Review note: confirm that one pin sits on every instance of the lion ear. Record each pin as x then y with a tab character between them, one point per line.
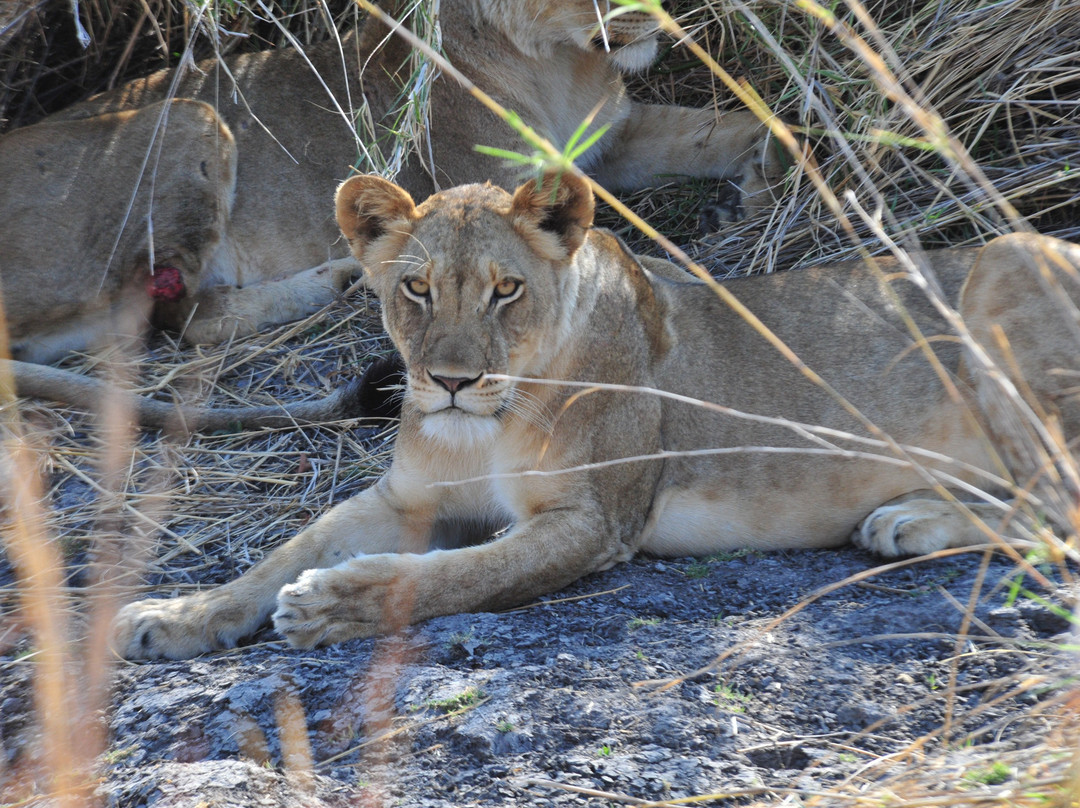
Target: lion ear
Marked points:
370	208
553	213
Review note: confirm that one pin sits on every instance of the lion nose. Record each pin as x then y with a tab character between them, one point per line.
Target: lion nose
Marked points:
454	383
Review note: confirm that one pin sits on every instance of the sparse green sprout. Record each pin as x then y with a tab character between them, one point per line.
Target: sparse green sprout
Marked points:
1016	590
504	726
604	751
730	699
467	698
951	574
116	755
696	569
727	556
641	622
540	161
993	775
459	638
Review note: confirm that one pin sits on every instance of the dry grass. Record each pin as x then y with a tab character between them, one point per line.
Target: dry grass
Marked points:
45	67
185	487
1004	77
127	514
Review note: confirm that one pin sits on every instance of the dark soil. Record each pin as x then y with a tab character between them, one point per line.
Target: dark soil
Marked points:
585	692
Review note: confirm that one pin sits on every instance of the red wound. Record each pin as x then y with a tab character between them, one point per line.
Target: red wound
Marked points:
166	284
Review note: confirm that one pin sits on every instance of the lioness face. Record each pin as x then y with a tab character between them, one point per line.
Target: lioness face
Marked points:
464	310
473	282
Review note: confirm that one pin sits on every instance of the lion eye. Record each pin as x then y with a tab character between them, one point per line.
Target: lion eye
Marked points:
506	289
417	288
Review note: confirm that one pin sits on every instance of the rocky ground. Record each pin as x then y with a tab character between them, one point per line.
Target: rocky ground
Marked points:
614	688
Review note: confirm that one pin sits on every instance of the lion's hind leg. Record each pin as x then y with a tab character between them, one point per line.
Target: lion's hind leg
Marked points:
921	522
1020	304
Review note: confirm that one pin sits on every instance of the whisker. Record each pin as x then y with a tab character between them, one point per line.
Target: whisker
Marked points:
408	260
427	255
528	407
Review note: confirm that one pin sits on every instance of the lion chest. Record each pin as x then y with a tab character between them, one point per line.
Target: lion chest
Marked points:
524	480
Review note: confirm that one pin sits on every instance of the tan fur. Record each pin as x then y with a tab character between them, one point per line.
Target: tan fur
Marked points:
476	282
235	172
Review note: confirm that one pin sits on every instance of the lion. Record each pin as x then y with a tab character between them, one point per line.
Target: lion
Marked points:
595	406
196	200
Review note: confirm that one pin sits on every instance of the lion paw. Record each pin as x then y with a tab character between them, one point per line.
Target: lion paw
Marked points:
341	273
305	611
310	613
916	527
748	189
178	628
727	208
360	598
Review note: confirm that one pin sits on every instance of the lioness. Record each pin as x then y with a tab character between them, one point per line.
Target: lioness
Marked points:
201	195
486	294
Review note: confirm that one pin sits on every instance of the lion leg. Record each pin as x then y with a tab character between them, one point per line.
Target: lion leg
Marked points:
1020	303
219	313
659	140
920	522
371	522
374	594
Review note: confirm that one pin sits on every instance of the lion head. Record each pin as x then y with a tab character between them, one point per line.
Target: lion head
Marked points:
473	282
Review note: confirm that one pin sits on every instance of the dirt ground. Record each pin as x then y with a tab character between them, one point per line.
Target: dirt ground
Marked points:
569	701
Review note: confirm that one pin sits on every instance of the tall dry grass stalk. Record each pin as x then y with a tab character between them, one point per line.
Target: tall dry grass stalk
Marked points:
931	124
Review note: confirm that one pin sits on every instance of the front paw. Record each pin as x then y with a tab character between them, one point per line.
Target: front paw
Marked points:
305	612
341	273
178	628
356	599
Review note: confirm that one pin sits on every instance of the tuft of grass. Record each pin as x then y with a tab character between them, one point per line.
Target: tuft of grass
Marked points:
636	623
731	555
467	698
696	569
116	755
993	775
730	699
